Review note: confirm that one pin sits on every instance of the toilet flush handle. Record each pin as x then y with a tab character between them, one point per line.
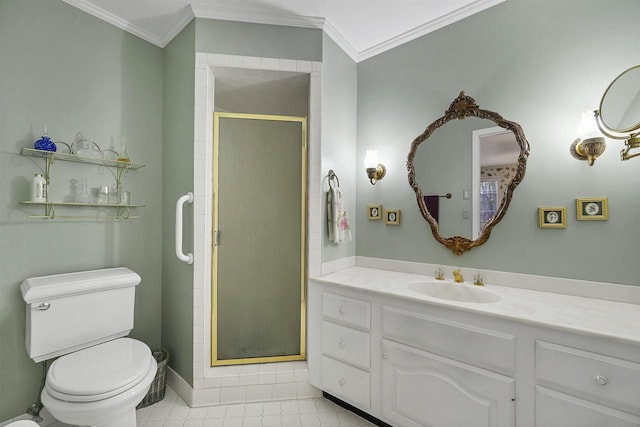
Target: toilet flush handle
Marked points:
43	306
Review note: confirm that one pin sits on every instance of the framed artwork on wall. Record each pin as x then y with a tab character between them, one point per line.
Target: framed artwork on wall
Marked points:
374	212
392	217
552	217
592	209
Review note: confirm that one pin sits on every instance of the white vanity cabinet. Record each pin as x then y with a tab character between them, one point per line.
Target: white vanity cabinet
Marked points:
407	368
436	373
413	362
585	389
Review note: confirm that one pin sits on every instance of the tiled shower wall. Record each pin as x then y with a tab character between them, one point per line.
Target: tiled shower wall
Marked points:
248	383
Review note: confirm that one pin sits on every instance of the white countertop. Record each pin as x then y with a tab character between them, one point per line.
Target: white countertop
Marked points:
612	319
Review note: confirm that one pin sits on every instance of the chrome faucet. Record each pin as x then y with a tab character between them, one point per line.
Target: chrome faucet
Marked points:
478	280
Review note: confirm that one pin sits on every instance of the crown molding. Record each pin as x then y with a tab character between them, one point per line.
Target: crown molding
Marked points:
339	39
183	20
428	27
114	20
246	15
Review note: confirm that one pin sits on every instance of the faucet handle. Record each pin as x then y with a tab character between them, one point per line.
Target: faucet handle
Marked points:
457	276
478	280
439	274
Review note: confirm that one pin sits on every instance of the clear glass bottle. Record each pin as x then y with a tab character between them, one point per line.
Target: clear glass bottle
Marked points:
103	195
124	197
113	195
124	154
83	195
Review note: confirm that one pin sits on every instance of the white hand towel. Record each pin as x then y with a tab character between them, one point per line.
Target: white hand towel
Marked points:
339	229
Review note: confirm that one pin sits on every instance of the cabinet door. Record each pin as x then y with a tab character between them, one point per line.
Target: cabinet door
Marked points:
555	409
423	389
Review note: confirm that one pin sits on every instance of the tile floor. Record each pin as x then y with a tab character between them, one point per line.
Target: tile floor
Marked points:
172	411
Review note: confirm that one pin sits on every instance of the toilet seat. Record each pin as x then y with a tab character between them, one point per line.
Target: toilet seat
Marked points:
99	372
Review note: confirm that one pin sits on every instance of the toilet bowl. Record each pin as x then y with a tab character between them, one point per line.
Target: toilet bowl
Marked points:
100	385
83	319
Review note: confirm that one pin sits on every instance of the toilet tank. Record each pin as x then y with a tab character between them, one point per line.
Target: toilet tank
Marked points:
72	311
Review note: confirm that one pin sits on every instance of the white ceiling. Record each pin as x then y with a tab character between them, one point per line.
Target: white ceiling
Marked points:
362	28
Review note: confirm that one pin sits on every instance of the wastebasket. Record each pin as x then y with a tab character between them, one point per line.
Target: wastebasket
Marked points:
159	384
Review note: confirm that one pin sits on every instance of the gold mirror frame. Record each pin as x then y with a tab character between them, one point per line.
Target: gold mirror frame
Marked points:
462	107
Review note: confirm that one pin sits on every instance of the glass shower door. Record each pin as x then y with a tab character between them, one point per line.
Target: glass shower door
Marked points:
260	223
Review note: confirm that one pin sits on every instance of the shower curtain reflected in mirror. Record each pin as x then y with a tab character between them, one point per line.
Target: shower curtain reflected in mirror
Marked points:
260	219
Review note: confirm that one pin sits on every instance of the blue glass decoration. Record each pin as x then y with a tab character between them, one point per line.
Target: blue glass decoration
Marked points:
45	143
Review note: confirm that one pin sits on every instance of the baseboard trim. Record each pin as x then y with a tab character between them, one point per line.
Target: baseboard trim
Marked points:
358	412
180	386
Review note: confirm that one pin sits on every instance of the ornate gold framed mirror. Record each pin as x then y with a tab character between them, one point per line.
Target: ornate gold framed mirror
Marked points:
465	176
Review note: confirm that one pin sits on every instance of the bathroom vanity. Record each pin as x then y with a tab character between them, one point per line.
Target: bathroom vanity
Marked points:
495	356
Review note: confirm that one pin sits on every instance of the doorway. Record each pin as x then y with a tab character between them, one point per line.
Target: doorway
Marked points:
259	253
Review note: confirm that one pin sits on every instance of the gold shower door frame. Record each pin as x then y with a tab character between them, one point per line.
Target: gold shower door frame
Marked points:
216	230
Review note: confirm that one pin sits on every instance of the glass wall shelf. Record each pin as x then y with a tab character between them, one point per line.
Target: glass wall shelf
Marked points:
54	155
93	205
120	211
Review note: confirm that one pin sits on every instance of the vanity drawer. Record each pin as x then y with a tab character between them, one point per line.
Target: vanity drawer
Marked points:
597	377
554	409
346	382
346	310
479	347
346	344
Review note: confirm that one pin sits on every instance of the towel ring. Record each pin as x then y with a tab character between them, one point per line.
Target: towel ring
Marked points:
332	175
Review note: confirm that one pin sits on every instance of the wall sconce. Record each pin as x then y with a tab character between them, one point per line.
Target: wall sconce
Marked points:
375	170
590	143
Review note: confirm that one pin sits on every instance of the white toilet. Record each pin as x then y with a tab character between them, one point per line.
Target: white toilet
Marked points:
84	318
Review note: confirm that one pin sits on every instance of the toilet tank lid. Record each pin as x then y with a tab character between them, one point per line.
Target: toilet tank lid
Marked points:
41	288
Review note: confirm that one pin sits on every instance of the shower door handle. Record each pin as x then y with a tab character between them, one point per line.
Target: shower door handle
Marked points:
187	198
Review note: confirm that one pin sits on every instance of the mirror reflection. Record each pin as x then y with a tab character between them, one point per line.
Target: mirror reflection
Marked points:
619	114
494	165
464	171
476	179
620	104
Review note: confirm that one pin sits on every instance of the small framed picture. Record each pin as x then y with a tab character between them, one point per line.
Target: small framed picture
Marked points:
375	212
392	217
552	217
594	209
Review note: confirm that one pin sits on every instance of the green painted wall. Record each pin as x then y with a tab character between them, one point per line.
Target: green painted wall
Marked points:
539	63
267	41
339	104
177	276
73	72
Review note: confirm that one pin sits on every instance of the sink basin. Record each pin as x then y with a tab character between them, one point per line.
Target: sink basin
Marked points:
454	291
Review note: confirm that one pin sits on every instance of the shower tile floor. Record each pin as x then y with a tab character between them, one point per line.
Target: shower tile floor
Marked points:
172	411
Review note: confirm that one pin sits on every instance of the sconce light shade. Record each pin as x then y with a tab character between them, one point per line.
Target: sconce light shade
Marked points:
590	143
375	170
